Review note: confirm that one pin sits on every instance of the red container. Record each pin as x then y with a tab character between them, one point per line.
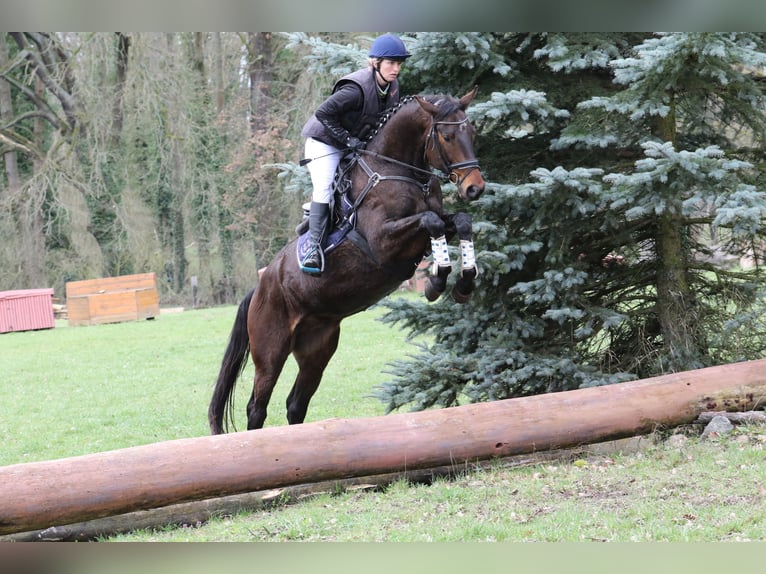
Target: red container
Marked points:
26	310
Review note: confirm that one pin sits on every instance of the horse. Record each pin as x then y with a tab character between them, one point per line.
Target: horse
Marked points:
397	218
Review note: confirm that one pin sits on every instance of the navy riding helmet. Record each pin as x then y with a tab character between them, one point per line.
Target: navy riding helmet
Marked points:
389	47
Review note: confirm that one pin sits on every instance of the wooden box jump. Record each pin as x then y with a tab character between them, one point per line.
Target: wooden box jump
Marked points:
112	299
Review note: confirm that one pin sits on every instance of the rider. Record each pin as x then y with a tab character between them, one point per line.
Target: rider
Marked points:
340	123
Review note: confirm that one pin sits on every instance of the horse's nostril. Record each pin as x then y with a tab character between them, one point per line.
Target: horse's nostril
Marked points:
474	191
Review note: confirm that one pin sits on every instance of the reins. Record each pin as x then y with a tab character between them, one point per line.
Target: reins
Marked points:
449	174
375	178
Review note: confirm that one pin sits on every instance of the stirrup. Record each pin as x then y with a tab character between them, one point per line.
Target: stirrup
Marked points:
312	269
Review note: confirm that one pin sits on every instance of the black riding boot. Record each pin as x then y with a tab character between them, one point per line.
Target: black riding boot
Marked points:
319	215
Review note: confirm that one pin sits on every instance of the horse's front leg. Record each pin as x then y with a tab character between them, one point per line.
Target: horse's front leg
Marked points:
442	267
403	231
460	224
461	292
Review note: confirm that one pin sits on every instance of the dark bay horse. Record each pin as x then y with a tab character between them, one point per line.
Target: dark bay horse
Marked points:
398	210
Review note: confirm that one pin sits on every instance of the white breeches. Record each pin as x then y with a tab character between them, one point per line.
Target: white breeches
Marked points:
324	162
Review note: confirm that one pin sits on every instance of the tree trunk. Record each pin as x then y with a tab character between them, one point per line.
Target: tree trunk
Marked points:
10	157
42	494
223	289
218	72
675	306
121	60
259	68
6	115
177	185
205	162
675	301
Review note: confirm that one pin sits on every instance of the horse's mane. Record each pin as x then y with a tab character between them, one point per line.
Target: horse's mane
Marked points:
446	104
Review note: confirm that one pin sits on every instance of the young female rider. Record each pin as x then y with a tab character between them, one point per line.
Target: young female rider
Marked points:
340	123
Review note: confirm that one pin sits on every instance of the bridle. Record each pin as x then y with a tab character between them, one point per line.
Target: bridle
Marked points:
449	173
451	169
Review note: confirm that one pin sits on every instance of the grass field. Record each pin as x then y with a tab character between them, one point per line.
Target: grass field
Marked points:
77	390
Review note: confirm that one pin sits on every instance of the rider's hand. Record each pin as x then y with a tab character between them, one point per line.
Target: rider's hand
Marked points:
354	144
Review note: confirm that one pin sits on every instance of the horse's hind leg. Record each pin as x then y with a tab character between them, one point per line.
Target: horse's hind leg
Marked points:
263	385
270	347
461	292
315	344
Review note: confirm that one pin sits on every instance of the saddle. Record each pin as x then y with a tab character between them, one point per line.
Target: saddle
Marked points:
343	220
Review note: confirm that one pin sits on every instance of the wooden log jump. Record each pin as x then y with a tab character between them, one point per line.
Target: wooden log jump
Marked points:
42	494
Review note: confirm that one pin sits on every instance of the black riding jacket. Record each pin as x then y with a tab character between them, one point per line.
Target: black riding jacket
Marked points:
353	109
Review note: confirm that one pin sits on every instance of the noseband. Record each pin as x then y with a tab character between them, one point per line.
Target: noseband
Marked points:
452	169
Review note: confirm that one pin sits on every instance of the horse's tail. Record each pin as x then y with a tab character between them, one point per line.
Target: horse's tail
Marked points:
220	413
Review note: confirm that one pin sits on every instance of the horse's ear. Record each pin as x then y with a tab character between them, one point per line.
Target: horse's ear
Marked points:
427	106
468	98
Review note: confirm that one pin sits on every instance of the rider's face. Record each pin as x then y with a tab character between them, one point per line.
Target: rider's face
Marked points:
389	70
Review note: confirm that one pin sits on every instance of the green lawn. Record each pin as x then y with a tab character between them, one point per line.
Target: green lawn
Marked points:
75	390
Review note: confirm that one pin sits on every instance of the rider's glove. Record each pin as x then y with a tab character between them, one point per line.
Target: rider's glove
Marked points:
354	143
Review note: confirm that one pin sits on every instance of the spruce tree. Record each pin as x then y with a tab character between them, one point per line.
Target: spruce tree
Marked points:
618	255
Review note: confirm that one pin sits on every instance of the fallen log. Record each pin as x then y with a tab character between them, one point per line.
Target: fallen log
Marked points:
190	513
201	511
42	494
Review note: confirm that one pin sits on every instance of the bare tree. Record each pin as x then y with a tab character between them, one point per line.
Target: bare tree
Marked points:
9	149
50	64
40	73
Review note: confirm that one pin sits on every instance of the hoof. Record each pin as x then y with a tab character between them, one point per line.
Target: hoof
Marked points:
461	291
430	292
437	282
459	297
